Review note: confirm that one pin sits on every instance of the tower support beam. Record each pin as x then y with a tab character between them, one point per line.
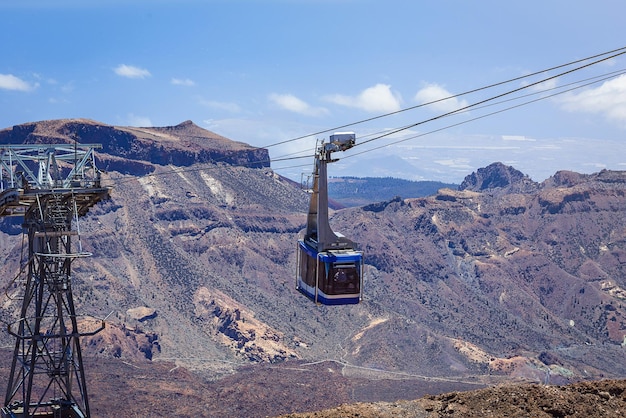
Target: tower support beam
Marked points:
47	377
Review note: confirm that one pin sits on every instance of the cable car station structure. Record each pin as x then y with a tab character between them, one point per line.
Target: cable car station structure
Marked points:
329	268
50	187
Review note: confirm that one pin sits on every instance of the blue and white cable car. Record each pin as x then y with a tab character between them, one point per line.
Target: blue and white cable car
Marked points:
329	267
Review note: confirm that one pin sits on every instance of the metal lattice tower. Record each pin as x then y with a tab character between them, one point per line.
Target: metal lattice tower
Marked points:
47	377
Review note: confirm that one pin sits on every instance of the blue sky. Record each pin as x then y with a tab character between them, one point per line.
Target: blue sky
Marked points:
269	71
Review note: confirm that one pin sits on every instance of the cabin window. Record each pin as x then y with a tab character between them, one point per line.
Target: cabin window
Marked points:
341	279
307	269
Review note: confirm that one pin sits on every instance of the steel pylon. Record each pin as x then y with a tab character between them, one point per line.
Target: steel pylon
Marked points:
47	377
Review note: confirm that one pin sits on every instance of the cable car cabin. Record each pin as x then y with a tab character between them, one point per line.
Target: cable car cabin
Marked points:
330	270
332	277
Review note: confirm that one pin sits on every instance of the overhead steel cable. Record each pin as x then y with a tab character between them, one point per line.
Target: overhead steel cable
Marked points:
462	109
291	156
485	115
587	82
615	53
623	49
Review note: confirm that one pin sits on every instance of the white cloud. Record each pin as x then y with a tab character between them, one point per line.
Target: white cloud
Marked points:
434	93
227	106
376	99
183	82
262	133
129	71
11	82
517	138
67	87
54	100
139	121
456	163
293	104
609	100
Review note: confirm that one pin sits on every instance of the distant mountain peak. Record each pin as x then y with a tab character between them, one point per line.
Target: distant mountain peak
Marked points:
495	176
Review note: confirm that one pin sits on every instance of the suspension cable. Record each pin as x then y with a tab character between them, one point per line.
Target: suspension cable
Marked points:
476	105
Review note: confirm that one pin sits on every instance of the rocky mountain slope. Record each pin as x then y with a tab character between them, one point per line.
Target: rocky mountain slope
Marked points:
504	279
581	400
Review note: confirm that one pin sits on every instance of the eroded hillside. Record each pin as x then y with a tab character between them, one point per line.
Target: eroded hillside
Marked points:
524	279
194	264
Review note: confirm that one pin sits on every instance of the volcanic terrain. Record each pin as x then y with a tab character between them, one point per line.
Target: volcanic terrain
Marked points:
501	280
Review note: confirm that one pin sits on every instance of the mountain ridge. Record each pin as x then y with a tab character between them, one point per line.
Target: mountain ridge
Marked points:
180	145
194	264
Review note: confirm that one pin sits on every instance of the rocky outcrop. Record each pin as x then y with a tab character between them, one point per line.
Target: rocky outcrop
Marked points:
123	342
496	176
141	313
238	329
